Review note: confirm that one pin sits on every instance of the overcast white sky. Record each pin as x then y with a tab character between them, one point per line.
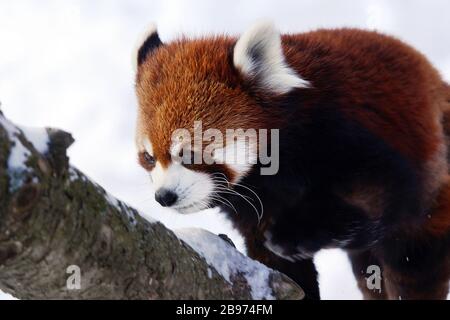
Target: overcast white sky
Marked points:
67	64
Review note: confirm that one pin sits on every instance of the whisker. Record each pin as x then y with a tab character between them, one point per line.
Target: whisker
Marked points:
259	199
220	199
234	192
222	178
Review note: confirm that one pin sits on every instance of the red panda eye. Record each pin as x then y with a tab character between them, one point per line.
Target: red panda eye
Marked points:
149	159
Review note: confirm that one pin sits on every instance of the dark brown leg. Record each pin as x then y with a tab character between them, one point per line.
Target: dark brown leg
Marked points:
417	262
426	286
303	272
361	261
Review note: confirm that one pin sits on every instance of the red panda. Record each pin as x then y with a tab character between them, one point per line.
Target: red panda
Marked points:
362	149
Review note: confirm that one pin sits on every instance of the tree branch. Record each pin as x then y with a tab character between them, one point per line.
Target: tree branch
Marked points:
52	216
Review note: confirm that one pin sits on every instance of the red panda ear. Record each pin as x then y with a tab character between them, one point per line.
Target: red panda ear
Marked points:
150	41
259	56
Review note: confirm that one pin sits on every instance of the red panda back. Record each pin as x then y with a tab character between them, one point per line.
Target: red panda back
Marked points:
382	83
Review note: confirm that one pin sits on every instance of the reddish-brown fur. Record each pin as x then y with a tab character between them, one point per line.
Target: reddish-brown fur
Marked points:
404	100
206	89
411	103
438	221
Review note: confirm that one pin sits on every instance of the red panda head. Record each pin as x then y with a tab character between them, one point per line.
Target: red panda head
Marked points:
218	81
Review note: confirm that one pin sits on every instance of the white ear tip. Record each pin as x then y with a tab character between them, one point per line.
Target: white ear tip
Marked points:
255	36
259	54
262	26
151	29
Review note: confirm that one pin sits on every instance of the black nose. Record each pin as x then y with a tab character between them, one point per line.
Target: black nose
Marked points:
166	197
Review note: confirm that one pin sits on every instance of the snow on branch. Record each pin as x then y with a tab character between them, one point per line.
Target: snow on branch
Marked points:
63	236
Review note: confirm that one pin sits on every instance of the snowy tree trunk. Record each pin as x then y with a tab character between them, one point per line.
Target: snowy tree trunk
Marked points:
55	222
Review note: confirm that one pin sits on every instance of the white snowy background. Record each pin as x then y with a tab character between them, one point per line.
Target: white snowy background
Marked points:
67	64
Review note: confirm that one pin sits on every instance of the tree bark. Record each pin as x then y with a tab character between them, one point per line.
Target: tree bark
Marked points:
52	217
